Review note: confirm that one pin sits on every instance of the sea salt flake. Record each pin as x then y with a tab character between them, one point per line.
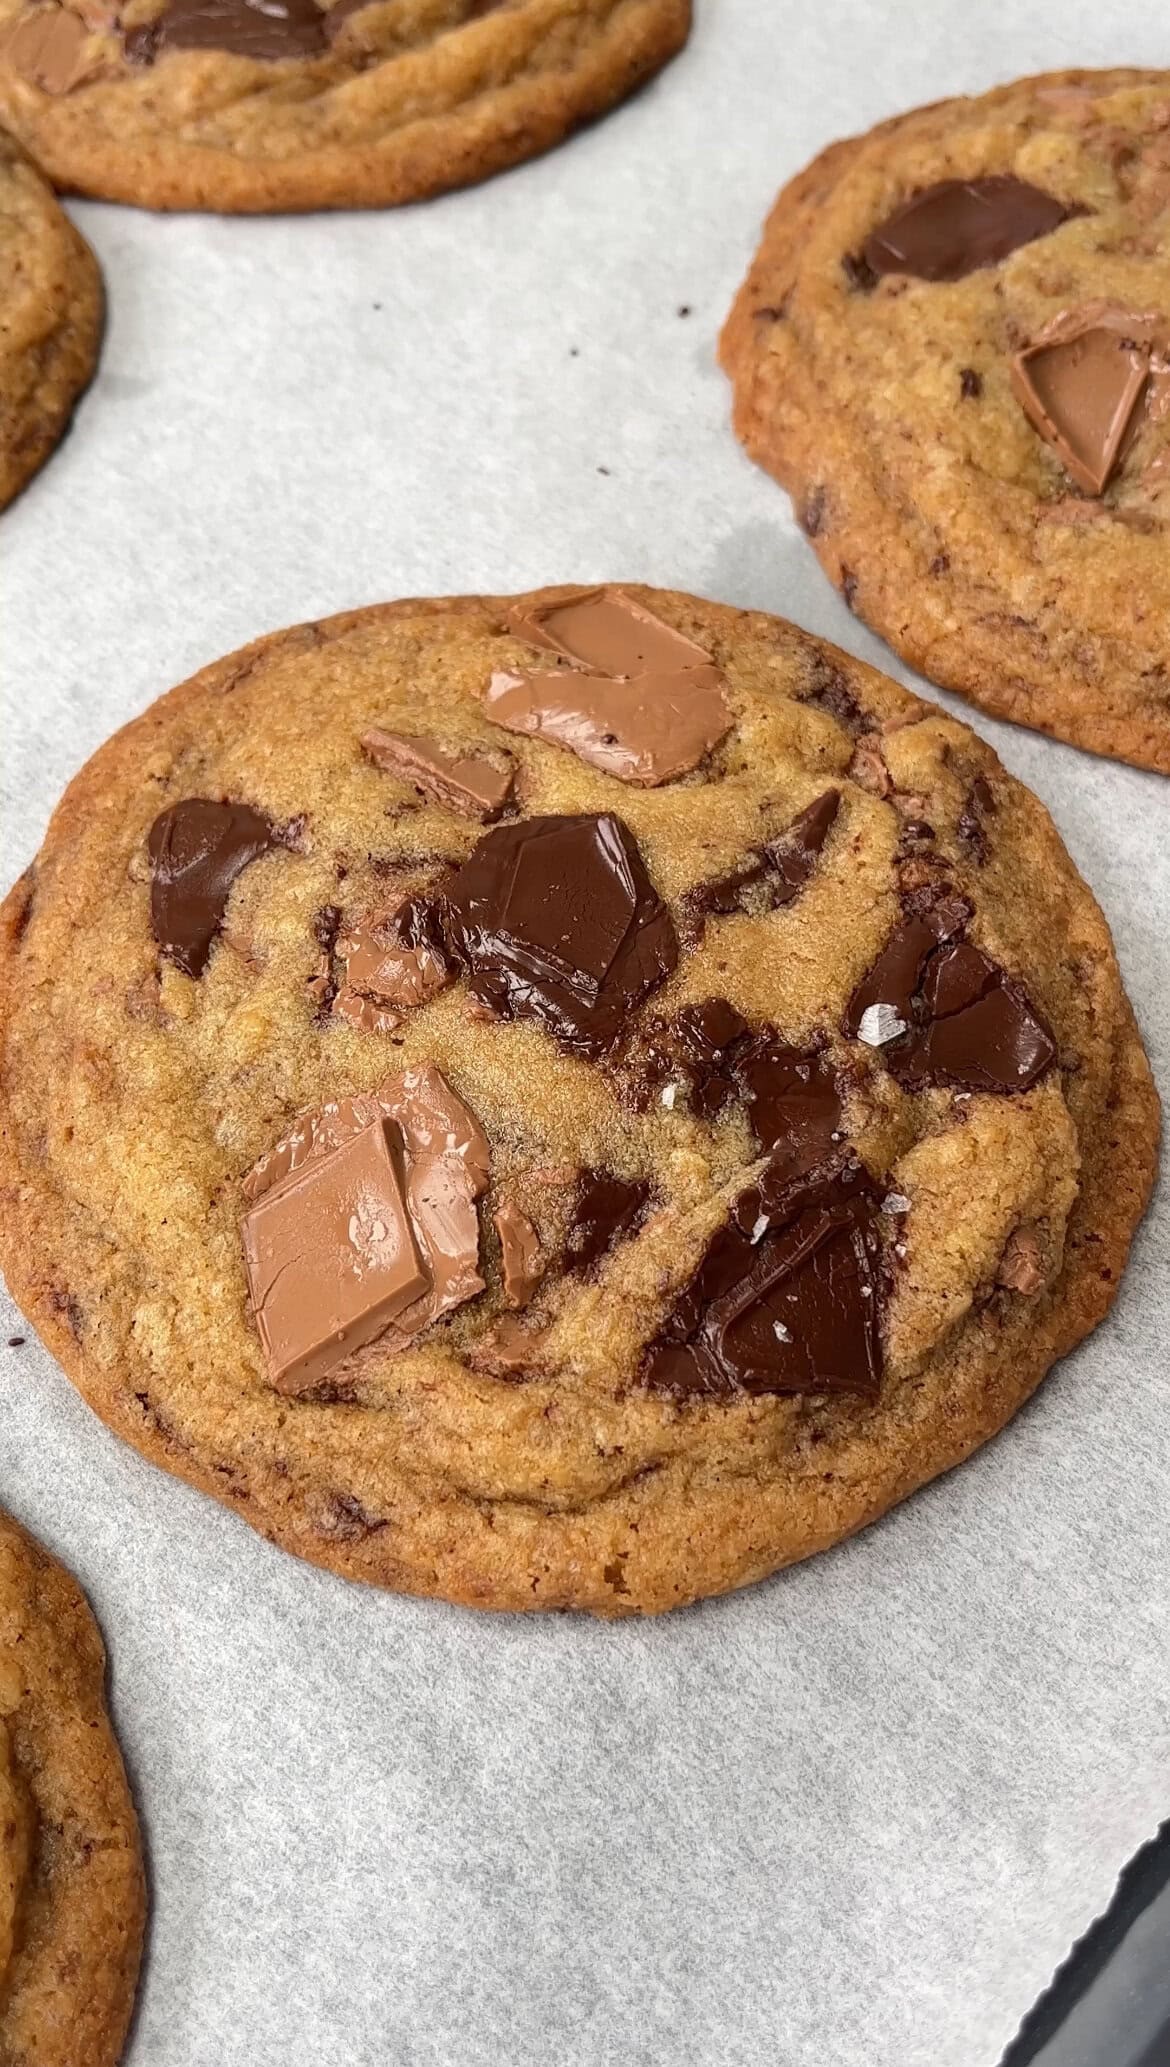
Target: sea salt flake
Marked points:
895	1202
781	1333
879	1024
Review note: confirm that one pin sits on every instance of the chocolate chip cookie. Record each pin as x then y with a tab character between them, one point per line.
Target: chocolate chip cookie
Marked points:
252	106
51	297
953	349
565	1101
72	1897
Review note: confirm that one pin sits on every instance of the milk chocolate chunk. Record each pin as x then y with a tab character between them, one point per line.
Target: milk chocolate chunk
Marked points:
470	784
556	920
266	29
636	699
959	1018
391	967
197	849
332	1258
363	1225
1081	383
519	1252
959	225
787	1298
607	1210
46	47
769	876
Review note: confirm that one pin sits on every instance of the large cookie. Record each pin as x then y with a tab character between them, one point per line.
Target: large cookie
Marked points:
72	1897
250	106
952	349
51	321
567	1101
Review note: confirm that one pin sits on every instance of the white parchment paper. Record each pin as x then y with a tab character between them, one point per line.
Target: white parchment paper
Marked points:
855	1817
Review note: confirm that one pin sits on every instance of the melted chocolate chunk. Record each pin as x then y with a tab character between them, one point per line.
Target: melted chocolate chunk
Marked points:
959	225
958	1018
607	1209
267	29
197	849
556	920
769	876
787	1298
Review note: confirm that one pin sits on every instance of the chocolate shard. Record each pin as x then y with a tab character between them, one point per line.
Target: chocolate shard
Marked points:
770	876
469	784
607	1210
263	29
787	1298
197	849
954	1016
635	698
556	920
958	226
1082	381
520	1256
362	1225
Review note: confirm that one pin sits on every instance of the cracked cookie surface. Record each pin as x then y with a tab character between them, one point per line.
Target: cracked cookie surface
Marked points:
50	319
255	106
877	371
498	1177
72	1897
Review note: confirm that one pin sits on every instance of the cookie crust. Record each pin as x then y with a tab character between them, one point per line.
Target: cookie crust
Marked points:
886	408
67	1998
409	101
573	1487
52	319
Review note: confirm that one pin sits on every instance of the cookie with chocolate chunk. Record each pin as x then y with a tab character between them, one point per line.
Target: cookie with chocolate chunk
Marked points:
953	349
569	1100
72	1895
253	106
51	296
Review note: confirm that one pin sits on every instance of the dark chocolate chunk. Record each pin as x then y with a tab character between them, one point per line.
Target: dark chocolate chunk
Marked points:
955	227
829	691
606	1210
793	1102
859	274
555	919
769	876
197	849
952	1015
981	1032
787	1298
972	825
692	1049
268	29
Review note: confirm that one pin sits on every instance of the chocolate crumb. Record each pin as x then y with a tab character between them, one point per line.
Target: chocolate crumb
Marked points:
17	1341
940	563
848	587
970	384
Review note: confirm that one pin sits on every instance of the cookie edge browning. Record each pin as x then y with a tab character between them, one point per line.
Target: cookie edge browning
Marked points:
107	1879
966	660
70	354
432	155
735	1540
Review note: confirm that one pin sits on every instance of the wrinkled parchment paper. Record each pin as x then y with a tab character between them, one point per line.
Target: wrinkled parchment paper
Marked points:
850	1819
